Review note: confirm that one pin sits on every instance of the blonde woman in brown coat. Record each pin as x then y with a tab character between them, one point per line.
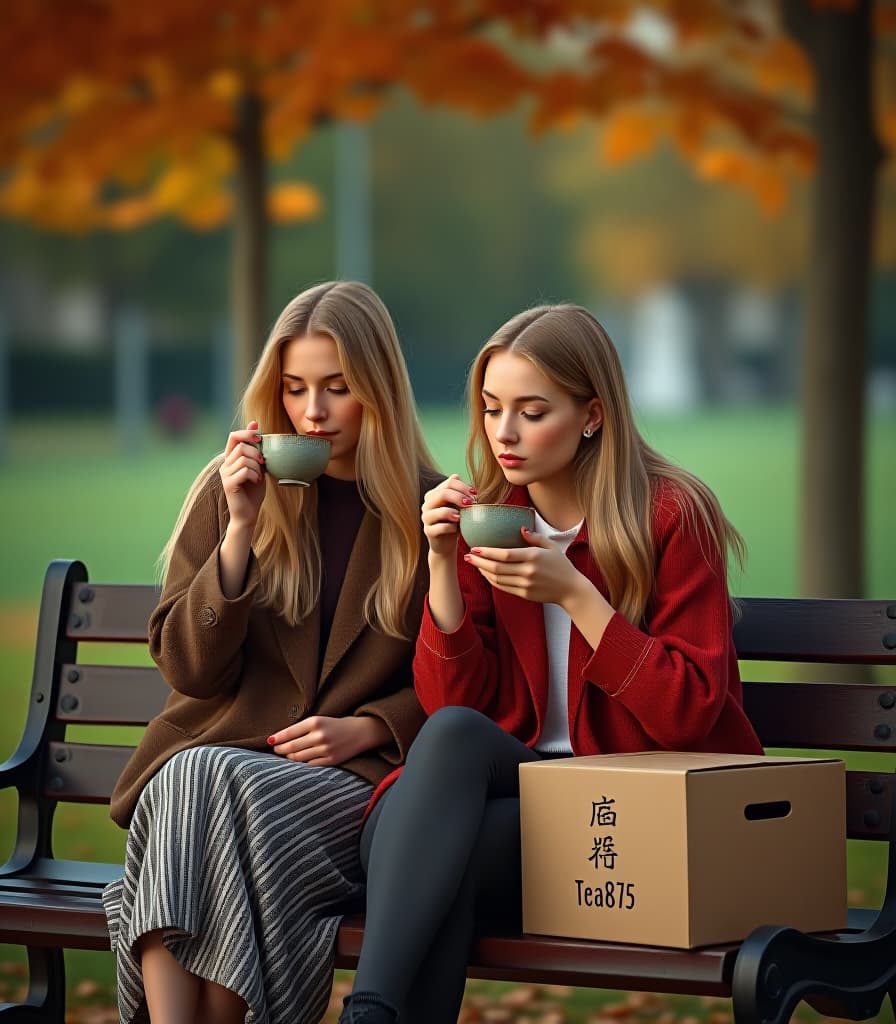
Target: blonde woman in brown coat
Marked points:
286	630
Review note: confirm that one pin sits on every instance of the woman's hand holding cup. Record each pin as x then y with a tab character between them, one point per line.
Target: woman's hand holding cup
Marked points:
441	516
242	475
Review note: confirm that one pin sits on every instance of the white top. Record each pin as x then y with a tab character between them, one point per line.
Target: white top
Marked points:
554	738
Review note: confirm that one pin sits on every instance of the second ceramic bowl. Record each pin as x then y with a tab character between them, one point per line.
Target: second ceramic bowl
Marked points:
495	526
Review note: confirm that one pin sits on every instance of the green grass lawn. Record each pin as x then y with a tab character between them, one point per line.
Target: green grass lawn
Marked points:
66	491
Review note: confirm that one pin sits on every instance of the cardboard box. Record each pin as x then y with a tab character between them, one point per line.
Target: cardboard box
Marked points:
682	850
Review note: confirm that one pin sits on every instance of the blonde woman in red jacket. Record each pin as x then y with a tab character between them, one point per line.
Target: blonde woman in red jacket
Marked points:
609	630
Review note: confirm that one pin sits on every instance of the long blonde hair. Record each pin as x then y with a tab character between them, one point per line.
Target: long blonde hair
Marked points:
389	459
616	472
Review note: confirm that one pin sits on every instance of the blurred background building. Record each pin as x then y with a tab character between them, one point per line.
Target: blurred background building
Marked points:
468	221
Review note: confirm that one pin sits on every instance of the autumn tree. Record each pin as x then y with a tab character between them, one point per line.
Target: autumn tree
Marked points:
757	95
114	113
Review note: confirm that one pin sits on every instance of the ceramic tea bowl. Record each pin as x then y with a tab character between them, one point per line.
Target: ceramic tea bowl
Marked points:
295	459
495	526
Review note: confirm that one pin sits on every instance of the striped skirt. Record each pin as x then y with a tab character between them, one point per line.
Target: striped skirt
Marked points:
248	862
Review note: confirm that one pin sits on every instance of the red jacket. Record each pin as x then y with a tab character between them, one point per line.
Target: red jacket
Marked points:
672	684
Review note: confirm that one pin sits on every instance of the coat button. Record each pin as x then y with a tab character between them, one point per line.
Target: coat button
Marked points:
207	616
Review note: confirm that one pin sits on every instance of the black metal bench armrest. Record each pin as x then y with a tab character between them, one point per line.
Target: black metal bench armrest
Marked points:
845	975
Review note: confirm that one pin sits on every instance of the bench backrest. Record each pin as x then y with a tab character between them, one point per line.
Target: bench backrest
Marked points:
68	689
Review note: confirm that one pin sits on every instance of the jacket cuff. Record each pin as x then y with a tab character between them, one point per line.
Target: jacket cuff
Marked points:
448	645
403	716
213	608
619	656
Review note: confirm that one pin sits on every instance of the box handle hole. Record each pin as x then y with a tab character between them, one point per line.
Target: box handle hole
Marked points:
771	809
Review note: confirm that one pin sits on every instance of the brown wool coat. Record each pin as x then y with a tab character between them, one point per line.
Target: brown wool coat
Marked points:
239	672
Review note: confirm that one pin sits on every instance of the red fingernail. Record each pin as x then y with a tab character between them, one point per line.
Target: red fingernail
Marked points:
272	740
468	558
476	551
466	501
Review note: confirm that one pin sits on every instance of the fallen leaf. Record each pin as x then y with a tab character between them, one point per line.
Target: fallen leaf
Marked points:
86	989
552	1017
617	1011
518	996
497	1014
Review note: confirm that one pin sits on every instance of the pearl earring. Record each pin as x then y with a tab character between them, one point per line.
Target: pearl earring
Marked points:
587	432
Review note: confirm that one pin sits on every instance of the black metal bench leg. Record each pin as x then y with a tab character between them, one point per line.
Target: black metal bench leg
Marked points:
45	1003
848	976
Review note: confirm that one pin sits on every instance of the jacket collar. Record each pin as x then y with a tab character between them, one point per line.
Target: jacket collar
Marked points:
520	496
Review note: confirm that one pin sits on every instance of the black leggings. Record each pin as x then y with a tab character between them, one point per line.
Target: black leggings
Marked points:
441	849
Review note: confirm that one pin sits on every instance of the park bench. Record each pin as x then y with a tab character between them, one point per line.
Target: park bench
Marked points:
48	904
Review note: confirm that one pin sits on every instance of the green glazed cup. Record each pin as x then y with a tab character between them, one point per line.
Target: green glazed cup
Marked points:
495	526
295	459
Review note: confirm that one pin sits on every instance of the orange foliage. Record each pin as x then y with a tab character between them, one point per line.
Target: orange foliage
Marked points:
290	201
783	67
755	174
632	132
560	102
689	129
127	214
143	95
208	212
695	20
468	73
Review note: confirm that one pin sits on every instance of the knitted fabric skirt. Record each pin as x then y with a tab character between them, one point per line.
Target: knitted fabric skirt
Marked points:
248	862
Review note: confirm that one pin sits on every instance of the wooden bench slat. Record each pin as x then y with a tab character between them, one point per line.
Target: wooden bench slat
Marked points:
85	873
113	612
539	958
823	716
106	694
83	772
529	958
821	630
770	629
23	885
58	920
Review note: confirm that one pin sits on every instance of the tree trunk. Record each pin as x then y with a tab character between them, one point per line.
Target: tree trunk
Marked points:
835	345
249	268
